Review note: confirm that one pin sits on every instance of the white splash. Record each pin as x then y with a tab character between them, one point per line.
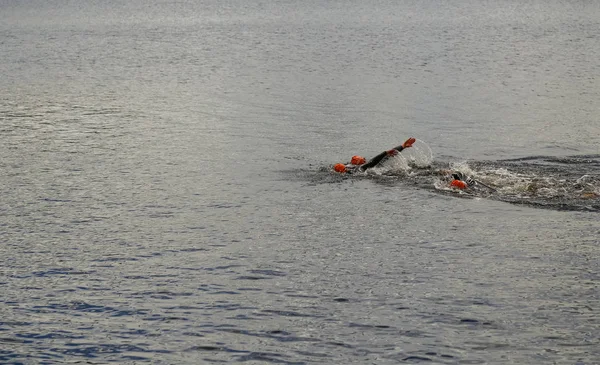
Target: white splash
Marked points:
419	155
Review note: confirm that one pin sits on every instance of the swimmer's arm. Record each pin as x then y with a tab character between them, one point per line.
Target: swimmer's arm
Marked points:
383	155
375	160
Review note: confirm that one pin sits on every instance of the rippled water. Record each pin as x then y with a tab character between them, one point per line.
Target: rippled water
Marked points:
167	194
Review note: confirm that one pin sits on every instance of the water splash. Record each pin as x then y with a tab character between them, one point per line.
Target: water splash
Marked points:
565	183
419	155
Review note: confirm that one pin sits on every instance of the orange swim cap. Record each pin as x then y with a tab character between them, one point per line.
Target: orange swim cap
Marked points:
340	167
458	184
358	160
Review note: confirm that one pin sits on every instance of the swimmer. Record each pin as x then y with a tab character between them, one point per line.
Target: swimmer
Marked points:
456	179
358	163
462	182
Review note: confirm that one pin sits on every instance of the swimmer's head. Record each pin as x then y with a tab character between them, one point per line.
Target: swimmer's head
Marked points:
339	167
358	160
458	184
458	176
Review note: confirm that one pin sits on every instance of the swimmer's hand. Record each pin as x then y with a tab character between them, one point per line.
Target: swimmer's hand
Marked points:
409	142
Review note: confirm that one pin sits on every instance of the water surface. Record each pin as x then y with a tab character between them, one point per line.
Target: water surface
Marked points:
166	196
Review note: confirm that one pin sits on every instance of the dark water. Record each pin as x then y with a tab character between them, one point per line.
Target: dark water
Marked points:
166	193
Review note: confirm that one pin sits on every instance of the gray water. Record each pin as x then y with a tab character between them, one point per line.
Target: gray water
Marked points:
167	194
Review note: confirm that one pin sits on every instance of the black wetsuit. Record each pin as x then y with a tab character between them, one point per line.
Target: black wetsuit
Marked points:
377	159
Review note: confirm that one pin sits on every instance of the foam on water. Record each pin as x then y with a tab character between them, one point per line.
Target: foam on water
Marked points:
419	155
542	185
393	165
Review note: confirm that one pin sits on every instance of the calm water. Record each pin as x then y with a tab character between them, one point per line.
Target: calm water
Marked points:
166	193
